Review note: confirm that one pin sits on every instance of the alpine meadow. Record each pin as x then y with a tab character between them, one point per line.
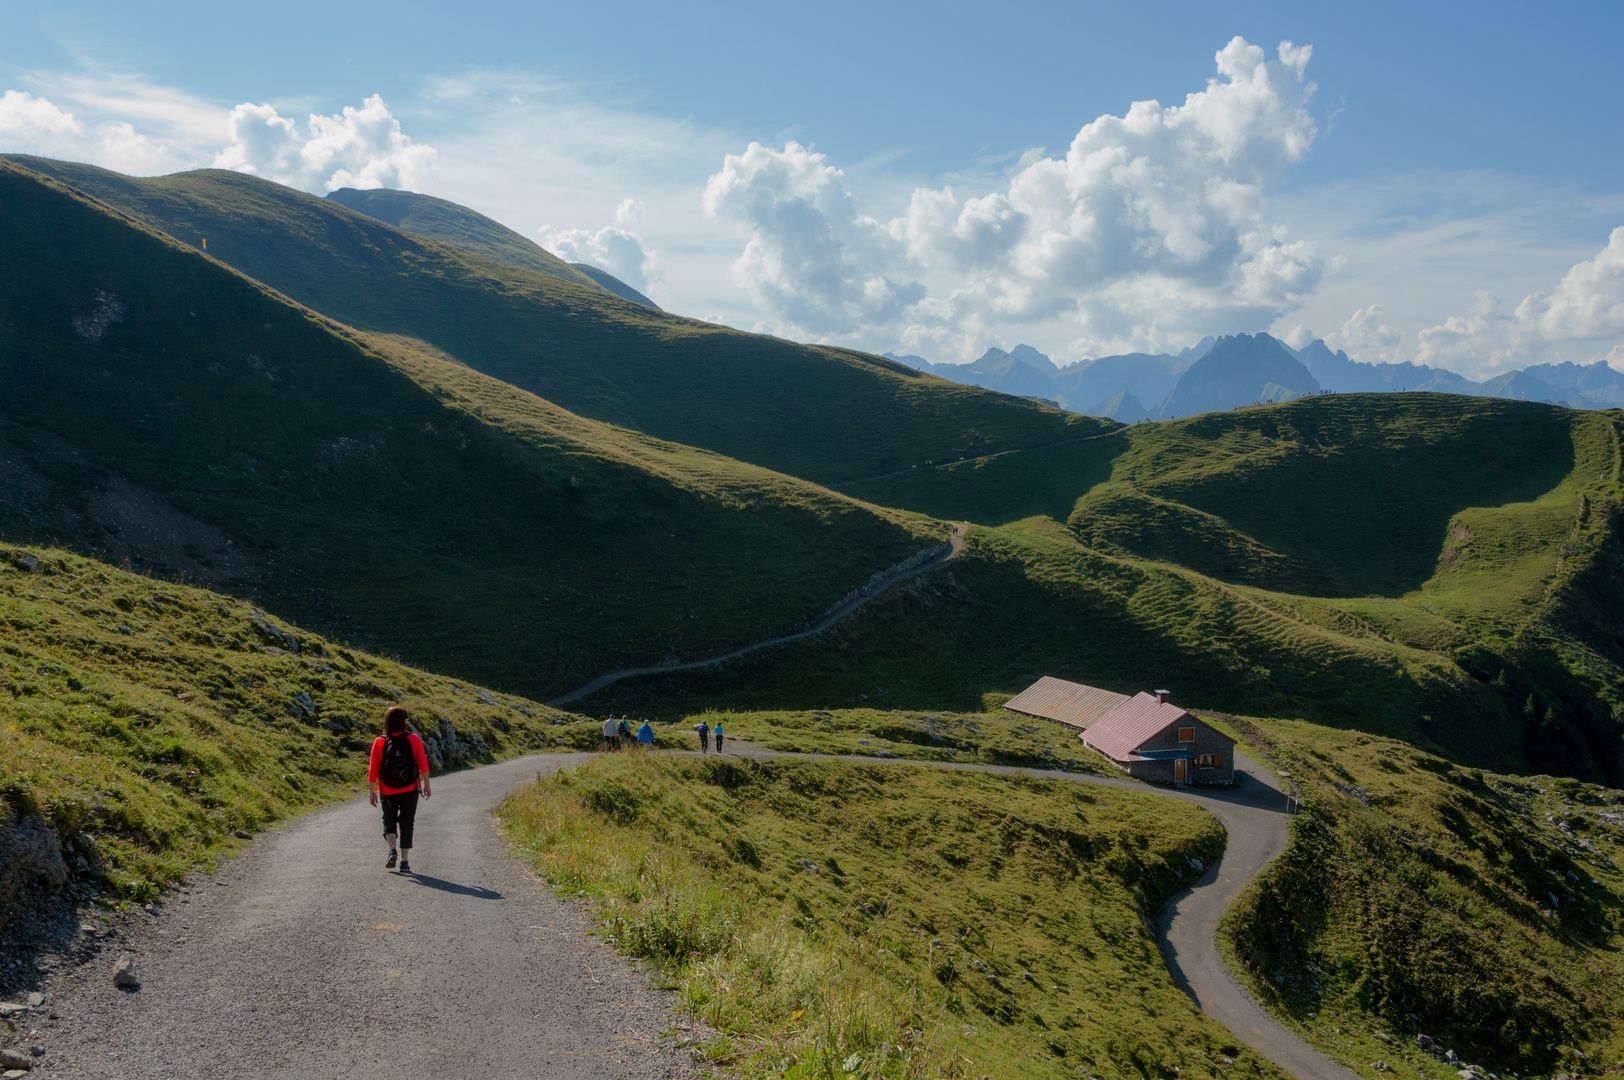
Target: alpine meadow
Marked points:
380	449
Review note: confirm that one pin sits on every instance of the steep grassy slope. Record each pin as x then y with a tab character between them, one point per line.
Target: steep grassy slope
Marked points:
1028	599
822	413
887	921
1466	536
1483	911
1350	494
608	281
437	219
148	721
156	404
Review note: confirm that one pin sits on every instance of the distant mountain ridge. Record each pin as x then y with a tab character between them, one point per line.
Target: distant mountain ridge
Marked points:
1249	369
1239	370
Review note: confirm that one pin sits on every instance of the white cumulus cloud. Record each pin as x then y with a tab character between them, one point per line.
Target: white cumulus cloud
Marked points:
1364	337
21	113
612	248
358	147
812	260
1586	306
38	125
1152	225
1588	303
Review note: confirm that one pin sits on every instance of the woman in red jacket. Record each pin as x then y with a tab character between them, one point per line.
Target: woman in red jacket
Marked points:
399	766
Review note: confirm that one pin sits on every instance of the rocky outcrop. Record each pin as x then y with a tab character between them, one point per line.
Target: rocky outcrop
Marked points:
31	862
446	749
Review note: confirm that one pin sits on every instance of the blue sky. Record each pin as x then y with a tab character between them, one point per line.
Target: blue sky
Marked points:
1436	182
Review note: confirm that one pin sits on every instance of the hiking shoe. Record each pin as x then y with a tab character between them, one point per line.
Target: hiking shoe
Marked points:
390	865
405	867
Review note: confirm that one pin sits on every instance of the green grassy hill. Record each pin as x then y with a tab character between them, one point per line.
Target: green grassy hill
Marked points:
890	921
1434	568
1417	898
822	413
438	219
149	721
156	405
1427	567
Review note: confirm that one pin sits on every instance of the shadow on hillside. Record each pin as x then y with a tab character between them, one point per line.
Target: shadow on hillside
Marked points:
1357	491
1045	481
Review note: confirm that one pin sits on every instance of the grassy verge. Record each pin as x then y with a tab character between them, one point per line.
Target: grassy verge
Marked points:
985	738
1485	912
838	920
149	721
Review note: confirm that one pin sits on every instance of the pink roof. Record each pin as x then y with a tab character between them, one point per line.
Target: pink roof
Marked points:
1132	724
1068	702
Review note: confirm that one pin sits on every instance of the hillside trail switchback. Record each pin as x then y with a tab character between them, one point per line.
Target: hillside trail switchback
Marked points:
942	556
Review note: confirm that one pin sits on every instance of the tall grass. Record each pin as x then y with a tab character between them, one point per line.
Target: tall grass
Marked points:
834	920
784	1004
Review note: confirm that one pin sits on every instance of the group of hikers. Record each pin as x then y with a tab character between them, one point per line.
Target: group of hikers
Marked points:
398	772
618	732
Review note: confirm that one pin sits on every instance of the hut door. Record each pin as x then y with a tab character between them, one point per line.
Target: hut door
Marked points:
1179	775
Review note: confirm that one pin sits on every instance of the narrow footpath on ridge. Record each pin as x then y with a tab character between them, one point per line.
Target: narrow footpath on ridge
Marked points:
306	957
939	558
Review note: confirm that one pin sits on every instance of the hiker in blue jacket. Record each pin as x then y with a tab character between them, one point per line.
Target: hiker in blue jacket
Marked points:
645	734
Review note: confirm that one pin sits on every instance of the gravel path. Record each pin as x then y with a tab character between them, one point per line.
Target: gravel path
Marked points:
305	957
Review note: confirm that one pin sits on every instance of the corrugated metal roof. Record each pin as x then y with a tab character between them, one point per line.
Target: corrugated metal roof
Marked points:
1131	725
1068	702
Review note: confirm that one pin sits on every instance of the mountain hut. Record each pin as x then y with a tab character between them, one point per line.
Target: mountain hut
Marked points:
1152	739
1145	735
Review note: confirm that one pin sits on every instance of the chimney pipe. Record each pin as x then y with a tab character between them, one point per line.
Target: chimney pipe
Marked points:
1161	696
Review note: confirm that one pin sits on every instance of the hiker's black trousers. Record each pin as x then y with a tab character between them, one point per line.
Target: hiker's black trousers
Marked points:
400	808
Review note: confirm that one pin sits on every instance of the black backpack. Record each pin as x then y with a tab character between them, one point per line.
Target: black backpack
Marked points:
399	767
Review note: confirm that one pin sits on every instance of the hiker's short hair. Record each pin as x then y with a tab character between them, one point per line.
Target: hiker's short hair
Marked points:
394	720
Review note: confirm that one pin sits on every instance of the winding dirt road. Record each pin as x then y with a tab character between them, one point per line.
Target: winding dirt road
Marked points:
305	957
943	554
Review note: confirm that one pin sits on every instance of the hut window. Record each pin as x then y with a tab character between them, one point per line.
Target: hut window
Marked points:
1186	734
1208	761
